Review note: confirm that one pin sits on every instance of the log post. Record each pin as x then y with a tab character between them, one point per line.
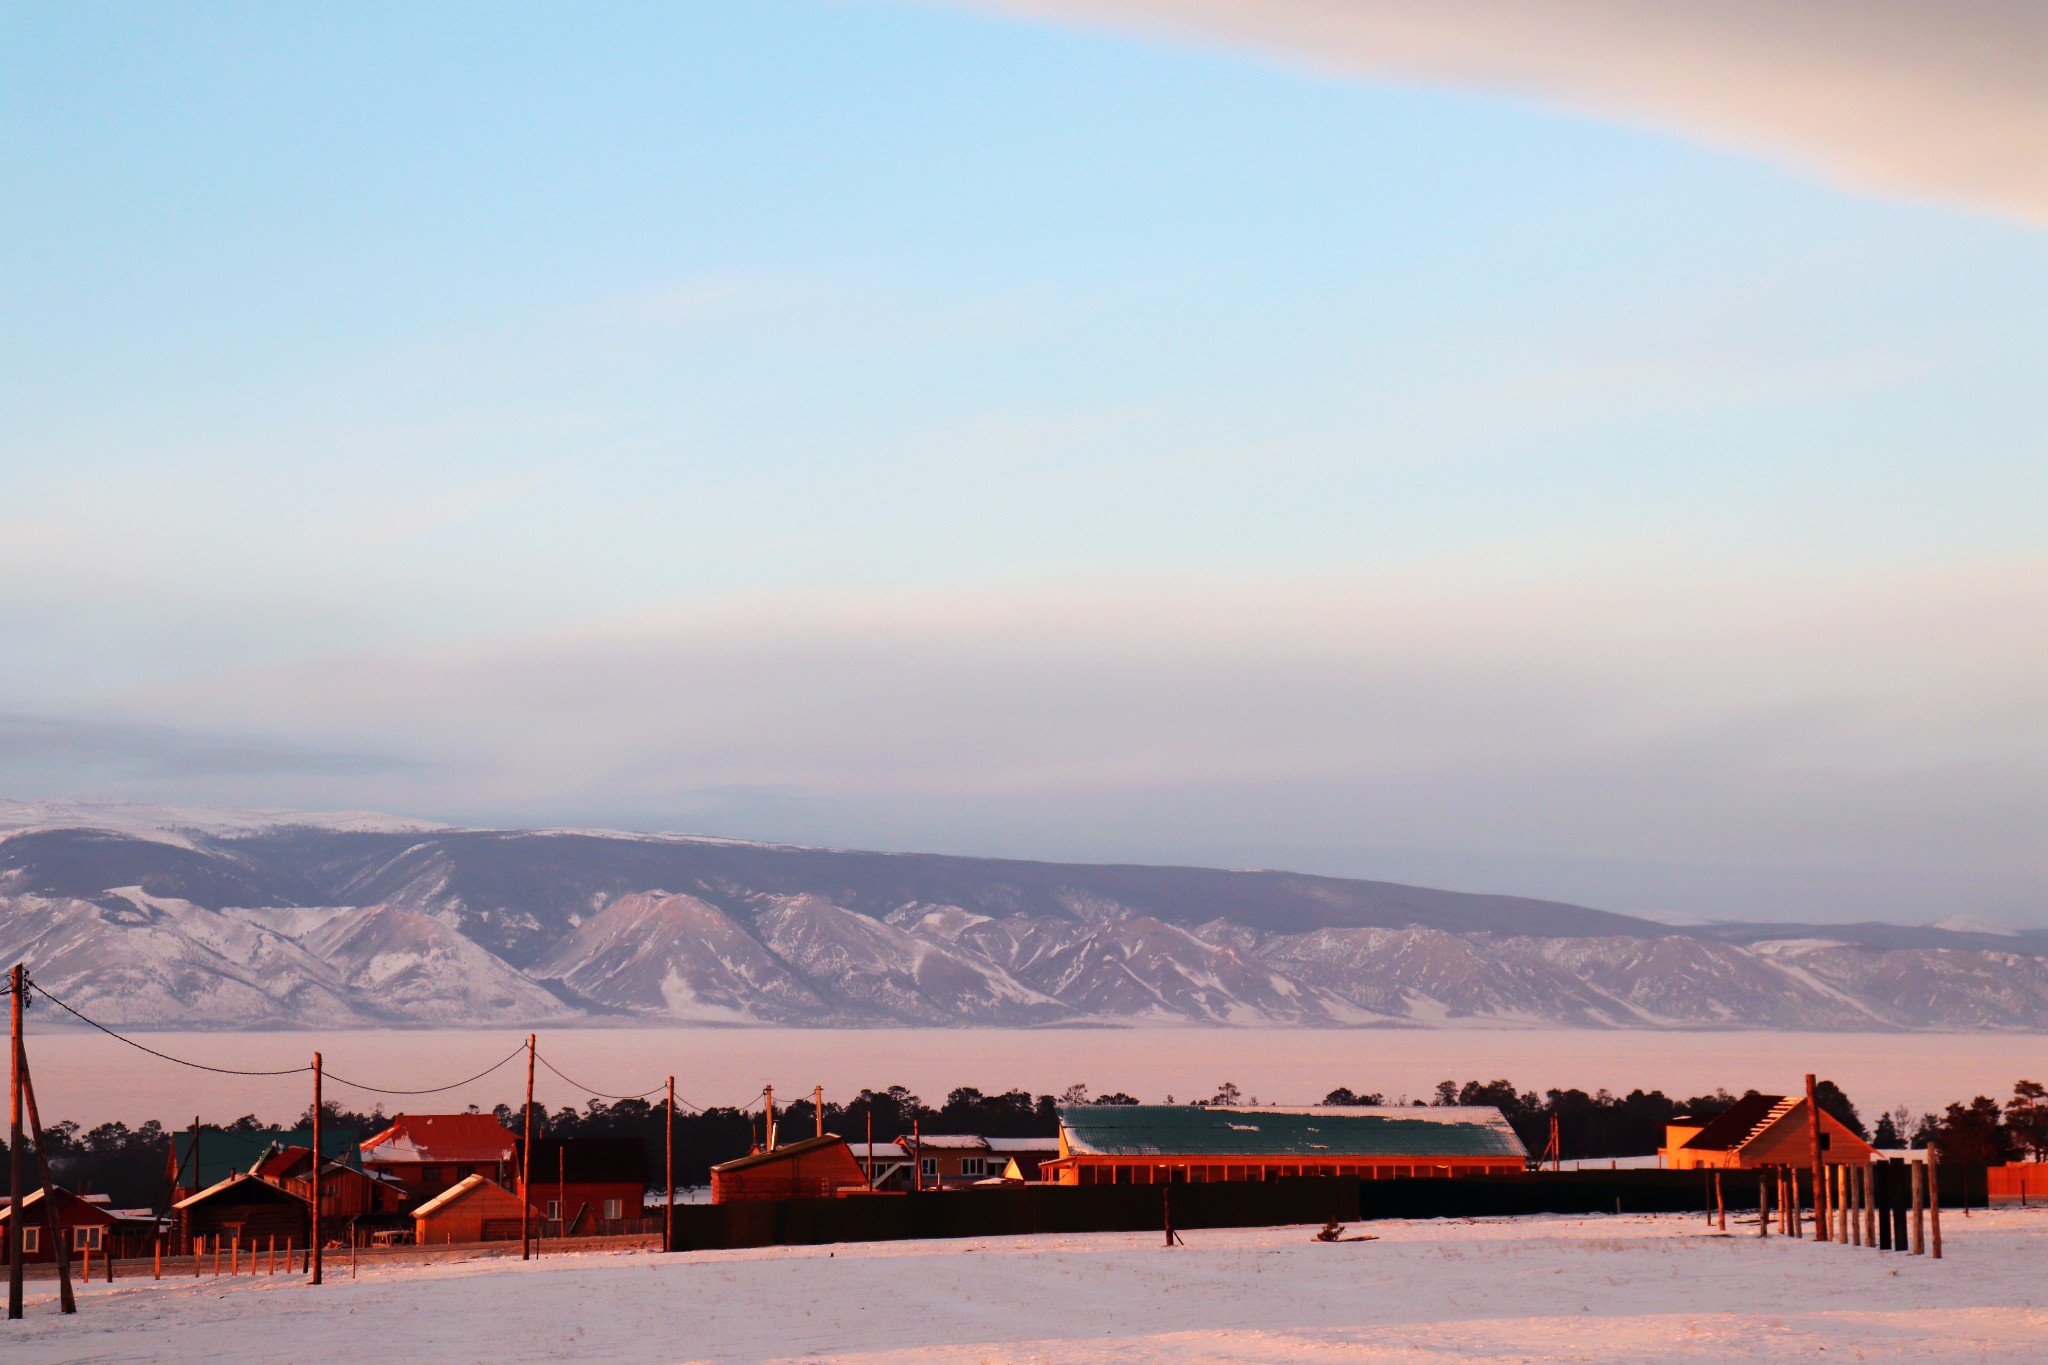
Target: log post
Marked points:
316	1244
67	1302
1720	1201
1820	1189
1763	1204
1934	1197
668	1142
526	1164
1919	1170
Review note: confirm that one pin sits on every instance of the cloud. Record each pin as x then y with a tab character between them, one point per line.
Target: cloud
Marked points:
1874	738
43	752
1940	99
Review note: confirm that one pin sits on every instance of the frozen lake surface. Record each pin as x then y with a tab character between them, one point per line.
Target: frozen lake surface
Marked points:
93	1078
1630	1288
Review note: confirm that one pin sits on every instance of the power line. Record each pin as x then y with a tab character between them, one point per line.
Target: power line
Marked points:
44	991
593	1090
431	1090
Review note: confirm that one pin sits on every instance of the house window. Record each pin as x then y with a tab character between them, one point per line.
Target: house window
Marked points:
973	1165
554	1210
86	1237
31	1240
430	1175
615	1208
930	1166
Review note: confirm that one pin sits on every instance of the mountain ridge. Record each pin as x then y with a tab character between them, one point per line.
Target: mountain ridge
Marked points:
269	920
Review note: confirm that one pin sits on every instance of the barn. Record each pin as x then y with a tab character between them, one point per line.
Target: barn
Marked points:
1156	1144
474	1209
816	1168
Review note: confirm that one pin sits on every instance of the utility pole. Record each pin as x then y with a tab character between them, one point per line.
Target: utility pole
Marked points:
818	1107
318	1239
67	1302
917	1156
526	1164
1820	1175
14	1172
768	1119
668	1208
871	1149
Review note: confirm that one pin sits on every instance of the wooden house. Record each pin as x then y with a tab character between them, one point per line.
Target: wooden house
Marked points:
816	1168
85	1224
428	1153
1760	1130
345	1192
474	1209
246	1208
949	1161
206	1156
586	1186
1141	1144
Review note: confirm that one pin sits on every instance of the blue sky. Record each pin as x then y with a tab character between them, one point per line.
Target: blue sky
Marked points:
902	425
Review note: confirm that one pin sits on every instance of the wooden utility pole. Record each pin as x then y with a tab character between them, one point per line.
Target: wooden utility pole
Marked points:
668	1209
67	1302
1919	1171
871	1149
1720	1201
14	1171
818	1107
1934	1198
917	1157
1820	1183
526	1164
561	1192
1763	1205
768	1118
319	1240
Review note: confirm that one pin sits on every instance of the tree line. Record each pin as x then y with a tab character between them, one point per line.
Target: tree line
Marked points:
130	1164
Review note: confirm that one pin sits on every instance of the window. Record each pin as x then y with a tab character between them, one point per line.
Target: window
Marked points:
929	1165
86	1237
973	1165
614	1208
430	1175
554	1210
31	1240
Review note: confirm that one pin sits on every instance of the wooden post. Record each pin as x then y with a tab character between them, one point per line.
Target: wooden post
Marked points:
526	1164
818	1107
1820	1187
1763	1205
1934	1197
86	1252
14	1163
768	1119
561	1193
157	1269
1919	1170
1869	1206
1720	1201
668	1210
235	1256
270	1257
871	1149
67	1302
916	1157
318	1241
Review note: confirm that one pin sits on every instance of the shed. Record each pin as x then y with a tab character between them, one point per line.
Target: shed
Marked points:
245	1207
1104	1144
587	1186
816	1168
474	1209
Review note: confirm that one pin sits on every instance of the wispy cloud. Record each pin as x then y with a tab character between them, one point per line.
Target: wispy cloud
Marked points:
1932	98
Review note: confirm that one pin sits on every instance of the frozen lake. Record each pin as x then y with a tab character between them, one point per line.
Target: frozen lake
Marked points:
92	1078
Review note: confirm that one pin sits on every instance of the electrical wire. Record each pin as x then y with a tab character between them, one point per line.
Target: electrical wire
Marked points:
44	991
593	1090
431	1090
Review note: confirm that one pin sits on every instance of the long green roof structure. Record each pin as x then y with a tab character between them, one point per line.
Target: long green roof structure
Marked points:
1149	1130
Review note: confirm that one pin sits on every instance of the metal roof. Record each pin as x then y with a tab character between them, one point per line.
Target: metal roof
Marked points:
1324	1131
1734	1126
441	1138
460	1190
783	1153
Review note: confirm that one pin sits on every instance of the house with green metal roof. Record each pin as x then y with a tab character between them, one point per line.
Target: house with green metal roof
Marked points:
205	1156
1147	1144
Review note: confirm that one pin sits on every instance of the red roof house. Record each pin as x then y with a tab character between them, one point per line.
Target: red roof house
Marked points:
429	1153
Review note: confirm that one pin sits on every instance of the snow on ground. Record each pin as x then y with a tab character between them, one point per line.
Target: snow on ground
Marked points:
1632	1288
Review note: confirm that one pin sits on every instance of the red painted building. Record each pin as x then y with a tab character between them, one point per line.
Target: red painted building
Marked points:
428	1153
84	1224
586	1186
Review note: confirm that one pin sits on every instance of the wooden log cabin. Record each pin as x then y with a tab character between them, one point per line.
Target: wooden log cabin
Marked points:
85	1224
816	1168
247	1208
474	1209
1156	1144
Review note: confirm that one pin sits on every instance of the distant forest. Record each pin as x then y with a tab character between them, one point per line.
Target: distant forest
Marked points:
129	1164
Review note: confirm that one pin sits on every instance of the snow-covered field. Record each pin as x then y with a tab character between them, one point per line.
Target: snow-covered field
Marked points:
1634	1288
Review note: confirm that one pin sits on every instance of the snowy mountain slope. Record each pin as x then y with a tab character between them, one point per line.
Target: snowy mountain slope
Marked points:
274	920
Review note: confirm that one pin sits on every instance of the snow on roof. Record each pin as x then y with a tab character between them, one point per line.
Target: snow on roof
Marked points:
461	1189
1025	1144
965	1142
1321	1131
219	1185
441	1137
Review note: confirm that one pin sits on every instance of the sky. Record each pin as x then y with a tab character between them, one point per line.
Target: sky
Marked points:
952	428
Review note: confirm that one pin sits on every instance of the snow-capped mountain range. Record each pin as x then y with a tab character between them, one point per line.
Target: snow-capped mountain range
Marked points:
227	919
